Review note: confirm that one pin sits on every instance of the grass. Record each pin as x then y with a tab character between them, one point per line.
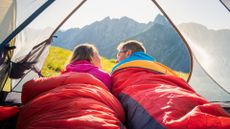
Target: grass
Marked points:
7	86
182	75
55	61
107	64
58	58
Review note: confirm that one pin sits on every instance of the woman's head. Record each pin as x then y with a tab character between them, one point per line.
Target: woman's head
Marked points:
86	52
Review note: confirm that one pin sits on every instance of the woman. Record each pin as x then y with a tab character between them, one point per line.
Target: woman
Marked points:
77	99
85	59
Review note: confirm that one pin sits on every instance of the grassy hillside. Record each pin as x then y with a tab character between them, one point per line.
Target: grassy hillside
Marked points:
58	58
55	61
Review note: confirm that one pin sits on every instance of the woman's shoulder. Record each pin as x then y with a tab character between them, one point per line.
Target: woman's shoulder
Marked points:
103	72
103	76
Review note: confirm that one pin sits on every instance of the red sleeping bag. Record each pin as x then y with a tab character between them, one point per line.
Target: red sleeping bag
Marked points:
158	101
7	112
69	101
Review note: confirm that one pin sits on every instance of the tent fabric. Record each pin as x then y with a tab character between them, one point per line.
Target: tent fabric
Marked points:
7	112
7	18
7	25
153	100
39	31
204	28
71	100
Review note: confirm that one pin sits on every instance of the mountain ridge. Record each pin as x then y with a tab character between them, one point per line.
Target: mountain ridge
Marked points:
107	33
158	36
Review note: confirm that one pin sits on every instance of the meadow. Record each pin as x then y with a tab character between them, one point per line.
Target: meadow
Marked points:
58	58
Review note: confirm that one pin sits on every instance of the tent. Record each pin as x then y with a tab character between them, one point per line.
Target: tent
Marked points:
30	58
23	50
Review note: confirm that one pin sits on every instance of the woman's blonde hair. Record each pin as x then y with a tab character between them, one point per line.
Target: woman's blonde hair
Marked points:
83	52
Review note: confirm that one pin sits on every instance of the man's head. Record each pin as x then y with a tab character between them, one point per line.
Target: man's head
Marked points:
125	49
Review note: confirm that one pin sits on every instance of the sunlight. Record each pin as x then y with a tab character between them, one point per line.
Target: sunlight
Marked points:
193	10
141	11
202	55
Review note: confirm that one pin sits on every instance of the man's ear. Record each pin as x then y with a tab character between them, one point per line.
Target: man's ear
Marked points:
129	52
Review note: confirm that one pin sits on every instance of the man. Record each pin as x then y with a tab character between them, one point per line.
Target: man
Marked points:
154	97
130	51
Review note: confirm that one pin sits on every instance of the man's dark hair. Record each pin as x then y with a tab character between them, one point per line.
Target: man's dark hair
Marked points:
133	45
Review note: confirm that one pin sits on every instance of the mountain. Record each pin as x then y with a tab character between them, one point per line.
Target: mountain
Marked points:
207	38
165	45
104	34
158	36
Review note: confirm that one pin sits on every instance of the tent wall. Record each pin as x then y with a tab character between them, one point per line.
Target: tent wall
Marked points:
7	25
33	41
7	18
206	28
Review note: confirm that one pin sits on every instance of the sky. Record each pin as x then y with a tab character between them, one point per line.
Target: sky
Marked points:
210	13
142	11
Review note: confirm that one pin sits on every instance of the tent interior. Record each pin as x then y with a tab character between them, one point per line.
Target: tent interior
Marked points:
29	28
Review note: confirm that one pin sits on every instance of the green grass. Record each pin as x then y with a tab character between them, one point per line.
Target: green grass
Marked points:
7	86
107	64
58	58
55	61
182	75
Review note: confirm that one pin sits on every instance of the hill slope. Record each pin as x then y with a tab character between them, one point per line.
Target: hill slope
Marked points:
58	58
165	45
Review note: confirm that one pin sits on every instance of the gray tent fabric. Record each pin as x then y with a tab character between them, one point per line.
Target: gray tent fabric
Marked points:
7	18
209	90
226	3
39	31
206	30
28	67
32	43
7	25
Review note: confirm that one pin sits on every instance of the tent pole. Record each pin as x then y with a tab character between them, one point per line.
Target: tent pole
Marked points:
182	37
67	17
25	23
